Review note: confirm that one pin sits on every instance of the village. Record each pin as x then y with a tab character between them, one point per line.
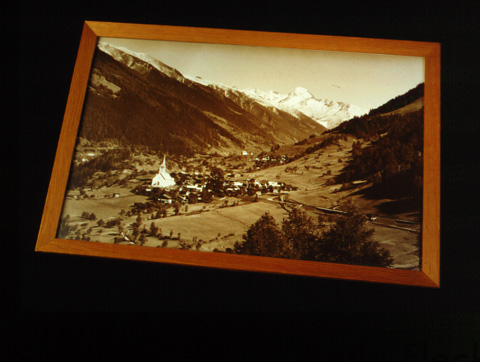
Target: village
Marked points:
188	188
136	201
208	202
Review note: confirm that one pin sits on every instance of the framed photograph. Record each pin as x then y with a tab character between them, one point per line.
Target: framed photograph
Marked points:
264	152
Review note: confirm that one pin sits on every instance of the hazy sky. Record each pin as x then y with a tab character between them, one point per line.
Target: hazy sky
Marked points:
364	80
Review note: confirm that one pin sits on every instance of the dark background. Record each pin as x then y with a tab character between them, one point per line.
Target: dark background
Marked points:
57	295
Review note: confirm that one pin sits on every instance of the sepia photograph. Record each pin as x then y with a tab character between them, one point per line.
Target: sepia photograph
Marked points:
302	154
207	172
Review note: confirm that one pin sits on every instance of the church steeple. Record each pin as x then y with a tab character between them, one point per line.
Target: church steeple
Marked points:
163	166
163	178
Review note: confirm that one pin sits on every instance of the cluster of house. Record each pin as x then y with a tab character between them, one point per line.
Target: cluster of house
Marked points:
254	187
267	160
188	189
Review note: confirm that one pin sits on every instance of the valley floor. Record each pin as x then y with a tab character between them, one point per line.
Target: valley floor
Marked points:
217	225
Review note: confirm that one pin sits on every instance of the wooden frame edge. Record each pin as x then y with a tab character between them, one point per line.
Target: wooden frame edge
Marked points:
429	276
431	228
65	147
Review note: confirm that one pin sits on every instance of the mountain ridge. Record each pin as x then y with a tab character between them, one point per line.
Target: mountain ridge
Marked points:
300	102
155	105
408	102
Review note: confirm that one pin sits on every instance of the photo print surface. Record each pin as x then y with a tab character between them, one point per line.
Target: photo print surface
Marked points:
285	153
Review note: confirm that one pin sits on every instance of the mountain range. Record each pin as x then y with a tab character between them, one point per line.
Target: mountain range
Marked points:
140	100
301	102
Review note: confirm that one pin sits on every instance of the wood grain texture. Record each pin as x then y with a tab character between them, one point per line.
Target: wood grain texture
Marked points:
431	194
66	143
428	277
258	38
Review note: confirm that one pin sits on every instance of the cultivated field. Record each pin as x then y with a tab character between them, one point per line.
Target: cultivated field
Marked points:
217	225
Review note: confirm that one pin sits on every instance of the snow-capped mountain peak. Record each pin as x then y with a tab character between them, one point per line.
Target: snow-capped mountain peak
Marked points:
302	92
301	101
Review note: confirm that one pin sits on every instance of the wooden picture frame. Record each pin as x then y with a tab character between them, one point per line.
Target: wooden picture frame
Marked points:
429	274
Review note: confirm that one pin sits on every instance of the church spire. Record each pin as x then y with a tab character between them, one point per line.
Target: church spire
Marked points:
163	166
163	178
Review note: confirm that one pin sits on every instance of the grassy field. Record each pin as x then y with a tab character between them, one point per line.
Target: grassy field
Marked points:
216	226
219	227
313	191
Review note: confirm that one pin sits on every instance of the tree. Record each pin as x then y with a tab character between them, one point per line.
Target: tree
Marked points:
64	228
350	241
300	233
135	232
153	229
192	198
217	173
177	207
206	195
264	237
139	220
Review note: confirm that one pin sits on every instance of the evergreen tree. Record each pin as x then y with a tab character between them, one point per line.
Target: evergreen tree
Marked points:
350	241
300	235
264	237
206	195
153	229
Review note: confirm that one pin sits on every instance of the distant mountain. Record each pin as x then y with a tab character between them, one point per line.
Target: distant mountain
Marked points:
139	100
301	102
265	111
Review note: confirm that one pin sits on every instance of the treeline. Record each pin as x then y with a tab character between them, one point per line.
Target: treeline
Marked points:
327	141
374	123
275	161
392	155
348	241
399	101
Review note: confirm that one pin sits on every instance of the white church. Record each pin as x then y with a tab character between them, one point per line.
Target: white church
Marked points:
163	179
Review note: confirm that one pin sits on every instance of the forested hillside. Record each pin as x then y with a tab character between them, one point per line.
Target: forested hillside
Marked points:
135	116
137	104
389	150
399	101
393	159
